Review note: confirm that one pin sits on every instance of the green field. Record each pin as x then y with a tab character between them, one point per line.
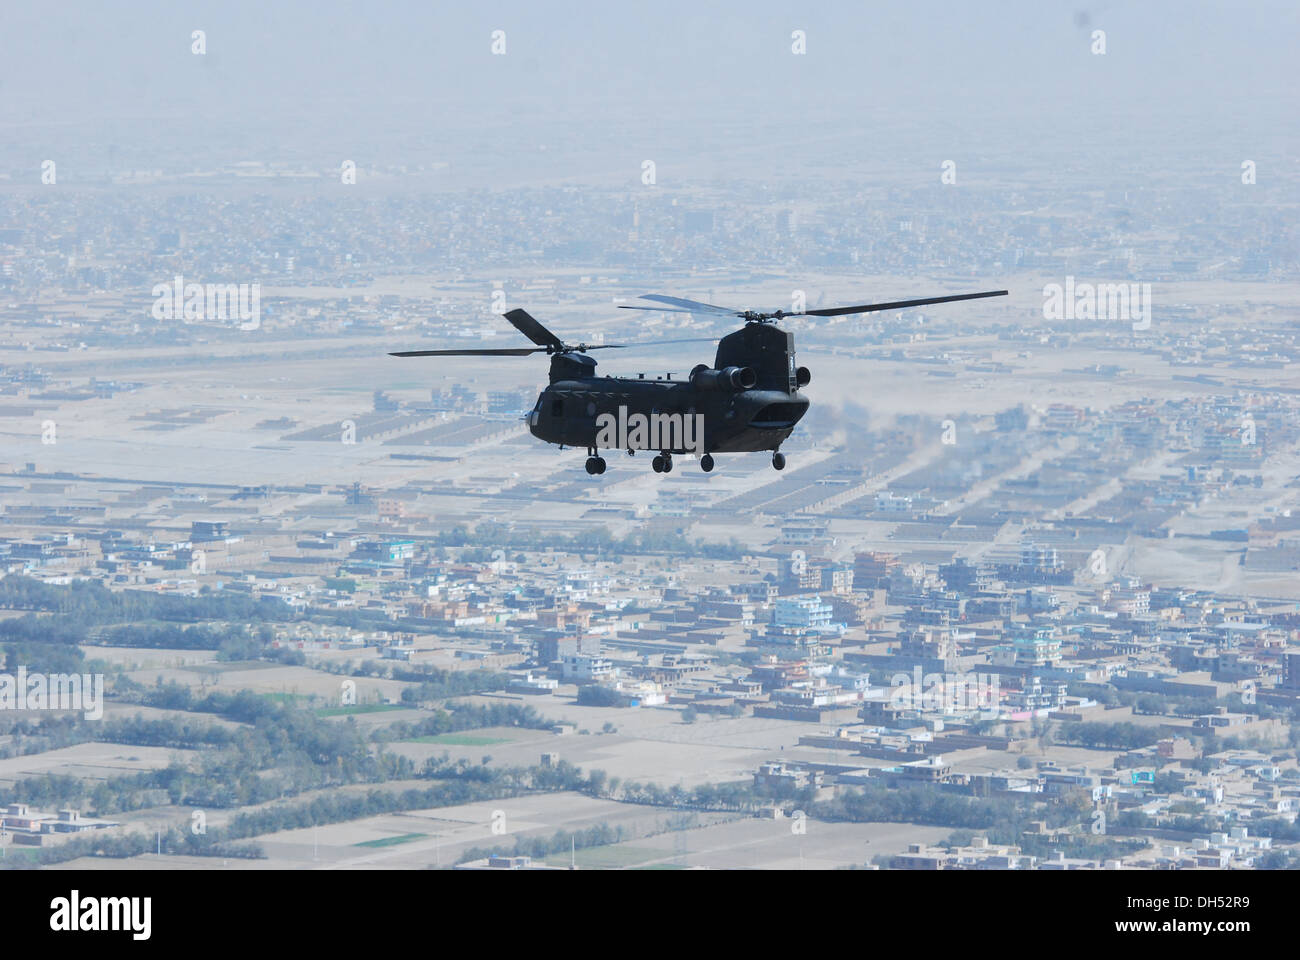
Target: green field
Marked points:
392	841
224	666
14	854
460	740
663	866
609	858
359	708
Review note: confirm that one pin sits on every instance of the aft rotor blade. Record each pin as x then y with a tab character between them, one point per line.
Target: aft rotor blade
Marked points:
896	305
533	330
689	306
496	352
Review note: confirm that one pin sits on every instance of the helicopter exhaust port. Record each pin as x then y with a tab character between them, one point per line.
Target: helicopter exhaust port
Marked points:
726	379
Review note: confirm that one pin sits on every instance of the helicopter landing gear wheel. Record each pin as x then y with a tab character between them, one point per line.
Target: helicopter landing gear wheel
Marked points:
668	463
595	465
706	462
658	464
778	461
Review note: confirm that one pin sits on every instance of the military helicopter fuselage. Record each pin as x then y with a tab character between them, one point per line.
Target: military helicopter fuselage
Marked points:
748	400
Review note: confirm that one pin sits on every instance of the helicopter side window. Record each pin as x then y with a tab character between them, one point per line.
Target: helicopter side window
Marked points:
557	406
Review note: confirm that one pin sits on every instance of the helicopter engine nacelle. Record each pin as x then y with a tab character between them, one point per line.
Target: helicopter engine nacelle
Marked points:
726	379
803	376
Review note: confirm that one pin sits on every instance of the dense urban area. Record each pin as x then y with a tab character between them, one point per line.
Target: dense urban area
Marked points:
1026	596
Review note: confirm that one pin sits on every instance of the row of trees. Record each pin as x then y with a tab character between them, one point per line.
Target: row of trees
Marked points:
49	640
562	841
464	716
86	603
433	682
280	750
454	783
1111	736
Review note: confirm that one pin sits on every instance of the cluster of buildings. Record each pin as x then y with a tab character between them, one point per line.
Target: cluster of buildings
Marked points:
21	825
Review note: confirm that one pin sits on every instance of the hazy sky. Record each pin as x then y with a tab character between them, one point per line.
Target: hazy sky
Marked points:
587	88
134	57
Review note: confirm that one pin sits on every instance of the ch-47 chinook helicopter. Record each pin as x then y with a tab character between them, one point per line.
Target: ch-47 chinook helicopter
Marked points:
749	400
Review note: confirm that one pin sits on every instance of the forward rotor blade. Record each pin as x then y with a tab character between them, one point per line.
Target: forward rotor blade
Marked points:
657	343
625	306
496	352
533	330
896	305
691	306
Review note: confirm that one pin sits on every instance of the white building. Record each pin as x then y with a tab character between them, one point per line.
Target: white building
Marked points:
801	613
584	668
